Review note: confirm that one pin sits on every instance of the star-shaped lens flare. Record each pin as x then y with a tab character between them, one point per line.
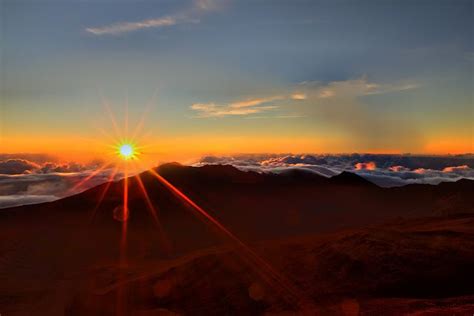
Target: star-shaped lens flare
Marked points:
127	151
127	156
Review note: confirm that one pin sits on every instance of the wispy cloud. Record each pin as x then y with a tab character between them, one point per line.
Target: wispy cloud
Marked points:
298	96
206	5
372	88
243	107
355	87
326	93
215	110
285	116
124	27
188	16
327	97
253	102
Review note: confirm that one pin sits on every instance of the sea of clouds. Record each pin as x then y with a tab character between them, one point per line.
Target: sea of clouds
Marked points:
30	179
383	170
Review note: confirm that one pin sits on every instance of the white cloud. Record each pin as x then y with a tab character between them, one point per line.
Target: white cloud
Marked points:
380	89
253	102
326	93
245	107
132	26
352	88
237	108
298	96
339	102
188	16
383	170
25	182
206	5
16	200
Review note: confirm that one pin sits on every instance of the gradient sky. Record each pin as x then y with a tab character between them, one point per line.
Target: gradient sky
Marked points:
238	76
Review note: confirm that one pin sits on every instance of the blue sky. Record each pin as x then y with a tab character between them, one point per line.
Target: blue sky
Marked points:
401	70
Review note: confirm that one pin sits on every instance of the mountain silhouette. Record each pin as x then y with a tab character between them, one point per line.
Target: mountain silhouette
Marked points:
68	256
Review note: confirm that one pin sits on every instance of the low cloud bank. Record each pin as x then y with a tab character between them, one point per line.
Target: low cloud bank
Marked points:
383	170
31	179
23	181
15	200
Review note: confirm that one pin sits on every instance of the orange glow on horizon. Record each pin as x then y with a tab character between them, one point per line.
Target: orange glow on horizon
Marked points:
450	145
167	148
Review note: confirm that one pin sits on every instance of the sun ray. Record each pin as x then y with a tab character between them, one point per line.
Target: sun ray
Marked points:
111	115
92	140
126	116
105	134
121	291
264	269
125	197
154	214
89	177
141	122
125	208
129	151
103	193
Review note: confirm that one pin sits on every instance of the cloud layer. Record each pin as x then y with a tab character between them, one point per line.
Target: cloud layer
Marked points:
27	182
383	170
16	166
349	107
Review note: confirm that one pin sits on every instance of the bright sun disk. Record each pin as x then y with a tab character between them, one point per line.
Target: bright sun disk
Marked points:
126	151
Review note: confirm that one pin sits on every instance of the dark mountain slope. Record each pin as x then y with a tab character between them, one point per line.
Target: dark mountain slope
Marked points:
253	205
414	267
49	251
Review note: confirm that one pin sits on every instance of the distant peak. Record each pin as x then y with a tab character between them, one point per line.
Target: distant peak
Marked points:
215	173
169	165
350	178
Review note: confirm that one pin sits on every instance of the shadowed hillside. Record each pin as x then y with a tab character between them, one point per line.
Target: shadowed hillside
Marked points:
406	267
338	238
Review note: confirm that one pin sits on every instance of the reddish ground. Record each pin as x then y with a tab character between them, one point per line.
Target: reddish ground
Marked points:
334	247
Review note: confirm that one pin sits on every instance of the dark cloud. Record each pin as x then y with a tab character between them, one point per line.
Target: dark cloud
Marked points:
66	167
17	166
34	157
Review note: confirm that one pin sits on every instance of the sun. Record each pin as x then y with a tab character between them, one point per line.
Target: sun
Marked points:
127	151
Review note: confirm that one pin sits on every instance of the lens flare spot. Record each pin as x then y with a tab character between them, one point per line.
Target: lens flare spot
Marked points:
120	214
